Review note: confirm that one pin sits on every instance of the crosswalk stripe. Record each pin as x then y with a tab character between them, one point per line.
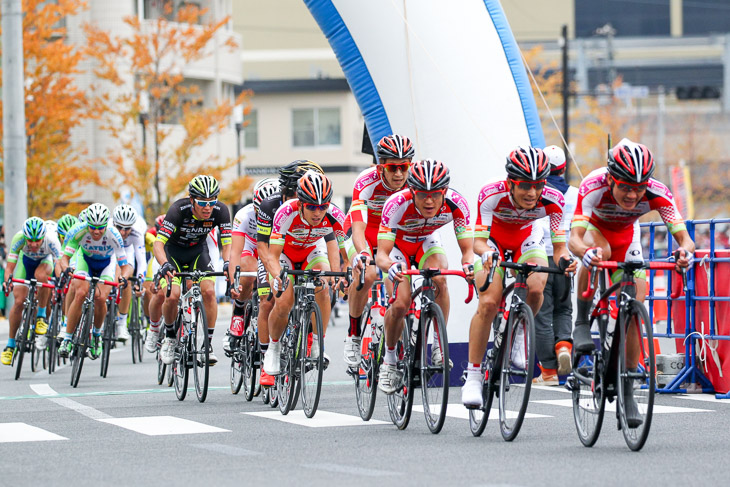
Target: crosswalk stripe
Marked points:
322	419
611	406
163	425
21	432
458	411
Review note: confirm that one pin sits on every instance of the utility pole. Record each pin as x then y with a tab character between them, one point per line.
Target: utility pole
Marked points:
14	141
566	101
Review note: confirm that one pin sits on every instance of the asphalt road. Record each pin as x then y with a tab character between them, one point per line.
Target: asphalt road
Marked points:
127	430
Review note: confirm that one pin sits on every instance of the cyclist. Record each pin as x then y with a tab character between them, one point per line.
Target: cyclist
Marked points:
288	177
245	255
606	226
180	245
90	247
408	236
64	225
297	243
32	252
372	187
152	265
508	222
132	228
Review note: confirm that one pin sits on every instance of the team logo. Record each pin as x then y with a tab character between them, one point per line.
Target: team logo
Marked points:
634	253
207	224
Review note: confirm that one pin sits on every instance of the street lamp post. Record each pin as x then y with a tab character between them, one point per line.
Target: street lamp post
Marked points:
144	109
238	119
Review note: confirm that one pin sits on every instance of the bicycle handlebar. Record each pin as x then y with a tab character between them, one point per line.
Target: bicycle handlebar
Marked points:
88	278
311	273
524	268
630	267
361	281
435	272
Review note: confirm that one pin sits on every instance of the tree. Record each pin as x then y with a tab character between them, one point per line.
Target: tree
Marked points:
57	171
150	60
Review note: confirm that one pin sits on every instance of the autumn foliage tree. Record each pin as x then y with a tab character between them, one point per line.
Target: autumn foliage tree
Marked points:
146	67
54	106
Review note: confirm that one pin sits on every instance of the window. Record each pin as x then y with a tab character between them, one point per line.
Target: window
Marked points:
706	17
251	130
312	127
628	17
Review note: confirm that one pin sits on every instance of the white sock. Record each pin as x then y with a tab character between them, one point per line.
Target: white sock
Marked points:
390	356
121	320
474	372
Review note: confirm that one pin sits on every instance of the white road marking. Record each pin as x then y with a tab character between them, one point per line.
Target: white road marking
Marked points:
323	419
43	390
703	398
658	408
46	391
21	432
460	412
233	451
551	388
336	468
163	425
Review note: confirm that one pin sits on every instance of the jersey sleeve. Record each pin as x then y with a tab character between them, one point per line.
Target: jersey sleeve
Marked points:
73	238
265	220
16	246
169	224
487	201
363	190
337	219
282	221
388	221
663	201
224	224
462	227
589	196
118	244
140	256
54	245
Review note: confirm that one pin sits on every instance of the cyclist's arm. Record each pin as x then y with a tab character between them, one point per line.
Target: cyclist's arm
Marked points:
466	245
333	255
560	250
275	251
158	249
237	242
358	236
576	243
480	245
127	270
684	240
382	257
140	256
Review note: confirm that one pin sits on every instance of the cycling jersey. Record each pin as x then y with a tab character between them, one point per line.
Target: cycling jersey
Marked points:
265	218
50	247
571	198
368	198
597	206
401	221
245	225
110	244
134	246
181	228
297	236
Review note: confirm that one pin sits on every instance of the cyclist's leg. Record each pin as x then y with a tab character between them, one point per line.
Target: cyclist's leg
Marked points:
432	254
317	259
265	305
78	289
357	299
102	292
532	251
394	316
283	304
148	283
24	268
42	273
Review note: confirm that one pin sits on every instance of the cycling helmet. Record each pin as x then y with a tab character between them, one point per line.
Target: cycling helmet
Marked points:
314	188
51	227
159	220
204	187
263	189
556	158
66	223
97	215
631	162
290	174
395	147
82	215
527	164
34	228
125	215
428	175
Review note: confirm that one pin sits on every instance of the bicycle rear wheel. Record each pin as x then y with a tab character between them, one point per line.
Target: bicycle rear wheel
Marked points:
81	344
434	376
311	360
201	364
518	364
287	385
589	395
161	369
637	381
249	351
134	331
107	341
366	373
21	340
180	364
400	403
52	342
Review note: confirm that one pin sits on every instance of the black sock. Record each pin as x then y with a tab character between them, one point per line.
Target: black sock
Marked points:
584	308
170	330
354	326
264	347
238	307
210	333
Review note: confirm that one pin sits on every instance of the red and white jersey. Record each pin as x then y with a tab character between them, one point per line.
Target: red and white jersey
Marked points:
402	221
291	229
499	218
597	206
368	197
244	223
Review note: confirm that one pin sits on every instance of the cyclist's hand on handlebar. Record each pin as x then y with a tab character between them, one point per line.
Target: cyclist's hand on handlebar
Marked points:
122	282
567	264
361	260
592	256
8	285
343	284
167	271
395	273
468	269
683	258
490	258
277	284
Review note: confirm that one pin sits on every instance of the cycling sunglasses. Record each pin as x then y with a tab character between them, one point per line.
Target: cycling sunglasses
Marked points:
312	207
96	227
424	195
528	185
203	203
626	186
395	167
122	228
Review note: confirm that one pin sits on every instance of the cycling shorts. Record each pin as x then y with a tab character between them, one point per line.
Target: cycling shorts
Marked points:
105	269
416	253
625	246
531	248
26	267
305	258
186	259
249	249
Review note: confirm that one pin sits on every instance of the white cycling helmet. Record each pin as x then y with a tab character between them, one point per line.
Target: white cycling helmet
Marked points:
97	215
124	215
263	189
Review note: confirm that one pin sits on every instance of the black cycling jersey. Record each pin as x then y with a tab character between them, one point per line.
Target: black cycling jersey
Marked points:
182	229
265	218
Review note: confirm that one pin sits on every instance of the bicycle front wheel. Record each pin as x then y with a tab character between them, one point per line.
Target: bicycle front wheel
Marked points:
287	384
134	331
311	356
107	342
52	342
434	368
366	373
21	341
636	381
249	351
400	403
201	352
518	364
180	364
589	395
81	344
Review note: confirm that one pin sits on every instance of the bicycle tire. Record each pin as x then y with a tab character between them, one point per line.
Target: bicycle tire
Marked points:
366	373
311	367
180	363
400	403
107	340
589	400
201	362
170	376
636	436
81	344
434	377
52	343
161	369
515	382
287	385
133	327
479	417
250	344
21	338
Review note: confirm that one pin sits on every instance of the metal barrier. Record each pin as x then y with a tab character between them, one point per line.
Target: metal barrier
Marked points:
691	373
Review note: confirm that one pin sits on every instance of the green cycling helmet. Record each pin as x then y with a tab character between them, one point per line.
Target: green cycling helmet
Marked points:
34	228
66	223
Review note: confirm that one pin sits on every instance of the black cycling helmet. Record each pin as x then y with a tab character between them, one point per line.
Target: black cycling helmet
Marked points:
395	147
527	164
290	174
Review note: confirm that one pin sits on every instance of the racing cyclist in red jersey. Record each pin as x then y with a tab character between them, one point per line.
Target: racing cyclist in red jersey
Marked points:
408	235
606	226
372	187
298	242
508	222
